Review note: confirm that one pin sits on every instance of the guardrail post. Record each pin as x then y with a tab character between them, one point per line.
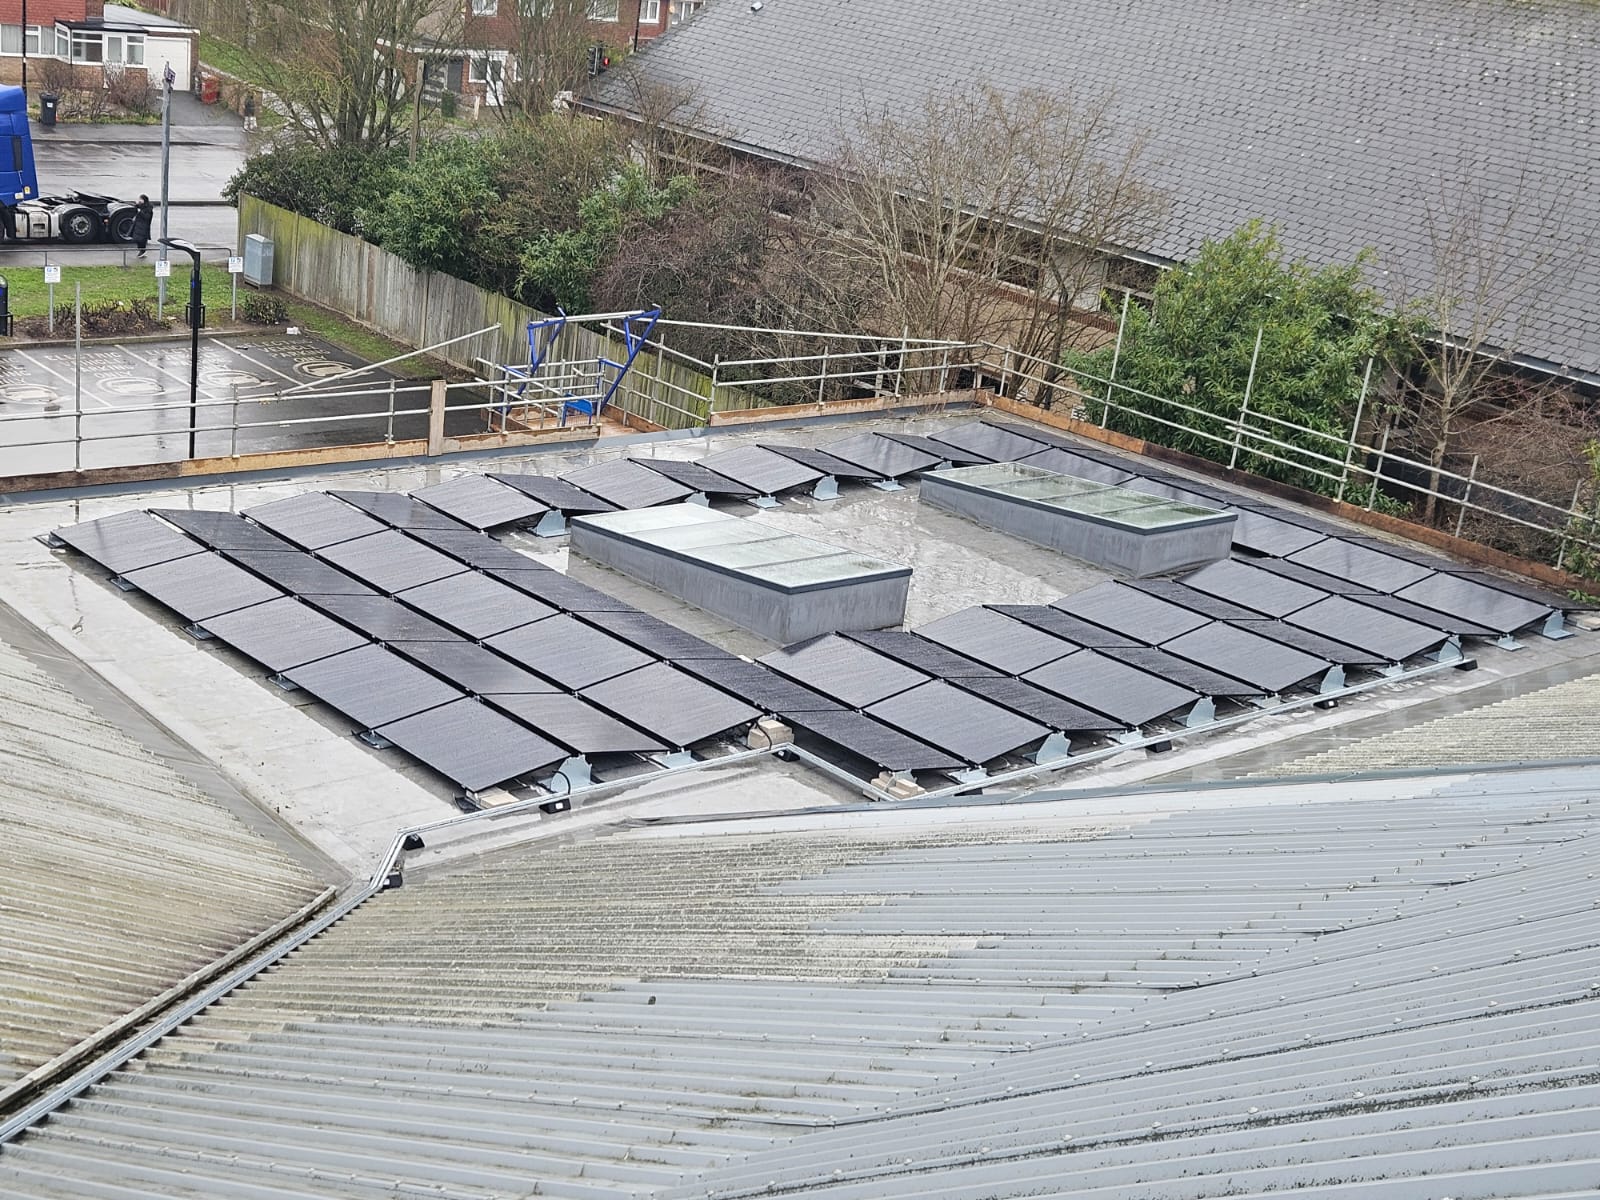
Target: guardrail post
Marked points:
822	379
1355	432
1466	496
1116	357
1573	515
900	367
388	433
711	404
1377	474
233	432
1244	409
436	399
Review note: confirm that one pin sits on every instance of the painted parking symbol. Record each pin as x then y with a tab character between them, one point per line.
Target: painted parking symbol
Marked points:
130	385
230	378
320	368
29	393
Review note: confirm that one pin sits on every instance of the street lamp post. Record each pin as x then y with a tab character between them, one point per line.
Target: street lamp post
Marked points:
195	314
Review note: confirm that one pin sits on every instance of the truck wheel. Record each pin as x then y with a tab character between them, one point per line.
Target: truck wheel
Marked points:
77	225
122	226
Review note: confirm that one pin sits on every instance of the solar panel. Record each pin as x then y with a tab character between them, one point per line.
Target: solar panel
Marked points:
996	640
677	708
383	619
1269	535
881	455
954	455
561	591
763	471
222	530
1344	559
821	461
919	652
765	689
1313	643
476	549
472	668
299	572
1248	503
1178	592
1114	688
314	520
1261	662
874	741
1555	601
390	561
958	722
1066	462
398	509
128	541
1045	707
1431	617
994	443
1132	612
372	686
656	636
1317	579
568	651
1186	674
1487	606
553	493
281	634
1420	558
1263	591
845	670
1344	620
577	724
472	745
198	586
624	484
695	477
1063	625
480	502
476	605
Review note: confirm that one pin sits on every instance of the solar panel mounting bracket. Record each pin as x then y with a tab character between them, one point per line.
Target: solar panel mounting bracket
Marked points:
886	485
1203	713
1507	642
763	501
197	633
1055	748
553	523
575	772
826	488
1332	680
675	759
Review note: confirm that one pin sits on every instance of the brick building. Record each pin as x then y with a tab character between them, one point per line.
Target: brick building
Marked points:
96	39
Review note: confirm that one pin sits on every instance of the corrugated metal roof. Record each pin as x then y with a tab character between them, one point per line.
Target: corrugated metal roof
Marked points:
1244	997
120	877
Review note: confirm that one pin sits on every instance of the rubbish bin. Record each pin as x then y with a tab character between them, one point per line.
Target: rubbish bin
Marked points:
210	87
47	108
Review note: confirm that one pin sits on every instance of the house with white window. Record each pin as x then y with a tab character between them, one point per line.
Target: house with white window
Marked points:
96	40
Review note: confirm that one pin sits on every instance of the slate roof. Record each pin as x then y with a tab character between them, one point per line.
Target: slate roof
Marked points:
1337	121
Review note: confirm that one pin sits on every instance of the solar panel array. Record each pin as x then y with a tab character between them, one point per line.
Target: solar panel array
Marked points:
483	664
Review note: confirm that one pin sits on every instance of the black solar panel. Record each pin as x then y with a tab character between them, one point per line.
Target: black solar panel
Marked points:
222	530
677	708
874	741
656	636
476	605
1114	688
281	634
695	477
568	651
991	441
372	685
1345	560
765	689
383	619
480	502
821	461
1268	665
578	724
1431	617
1313	643
398	509
472	668
954	455
1066	462
1269	535
1132	612
198	586
1367	628
475	549
1248	503
624	484
553	493
845	670
1486	606
128	541
1265	592
958	722
299	572
1317	579
314	520
882	456
1063	625
996	640
1410	554
472	745
390	561
1555	601
561	591
1045	707
919	652
762	471
1181	671
1179	592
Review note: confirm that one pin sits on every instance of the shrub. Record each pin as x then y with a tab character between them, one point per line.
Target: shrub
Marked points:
263	308
334	187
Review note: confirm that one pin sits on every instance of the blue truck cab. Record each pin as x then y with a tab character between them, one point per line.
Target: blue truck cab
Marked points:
19	180
77	217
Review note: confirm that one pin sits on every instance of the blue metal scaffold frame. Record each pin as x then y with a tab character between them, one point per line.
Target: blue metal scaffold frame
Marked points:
609	373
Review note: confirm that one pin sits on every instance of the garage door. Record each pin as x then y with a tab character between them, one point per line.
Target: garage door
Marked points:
159	52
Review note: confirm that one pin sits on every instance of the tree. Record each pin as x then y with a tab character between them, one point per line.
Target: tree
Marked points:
1318	327
433	215
338	187
983	215
1487	259
549	44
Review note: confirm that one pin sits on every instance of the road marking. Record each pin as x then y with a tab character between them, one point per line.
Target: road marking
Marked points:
101	400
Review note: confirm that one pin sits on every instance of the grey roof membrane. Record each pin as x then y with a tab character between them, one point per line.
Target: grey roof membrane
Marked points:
1339	123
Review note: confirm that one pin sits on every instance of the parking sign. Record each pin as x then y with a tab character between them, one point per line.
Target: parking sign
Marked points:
235	265
163	269
52	274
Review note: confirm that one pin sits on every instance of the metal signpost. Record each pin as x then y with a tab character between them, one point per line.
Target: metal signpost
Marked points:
168	77
195	313
235	268
52	276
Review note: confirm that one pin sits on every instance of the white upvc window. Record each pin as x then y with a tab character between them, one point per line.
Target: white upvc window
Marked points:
650	12
604	10
87	46
682	10
485	8
136	49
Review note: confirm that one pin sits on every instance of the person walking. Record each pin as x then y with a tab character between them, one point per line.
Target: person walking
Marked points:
249	110
143	214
